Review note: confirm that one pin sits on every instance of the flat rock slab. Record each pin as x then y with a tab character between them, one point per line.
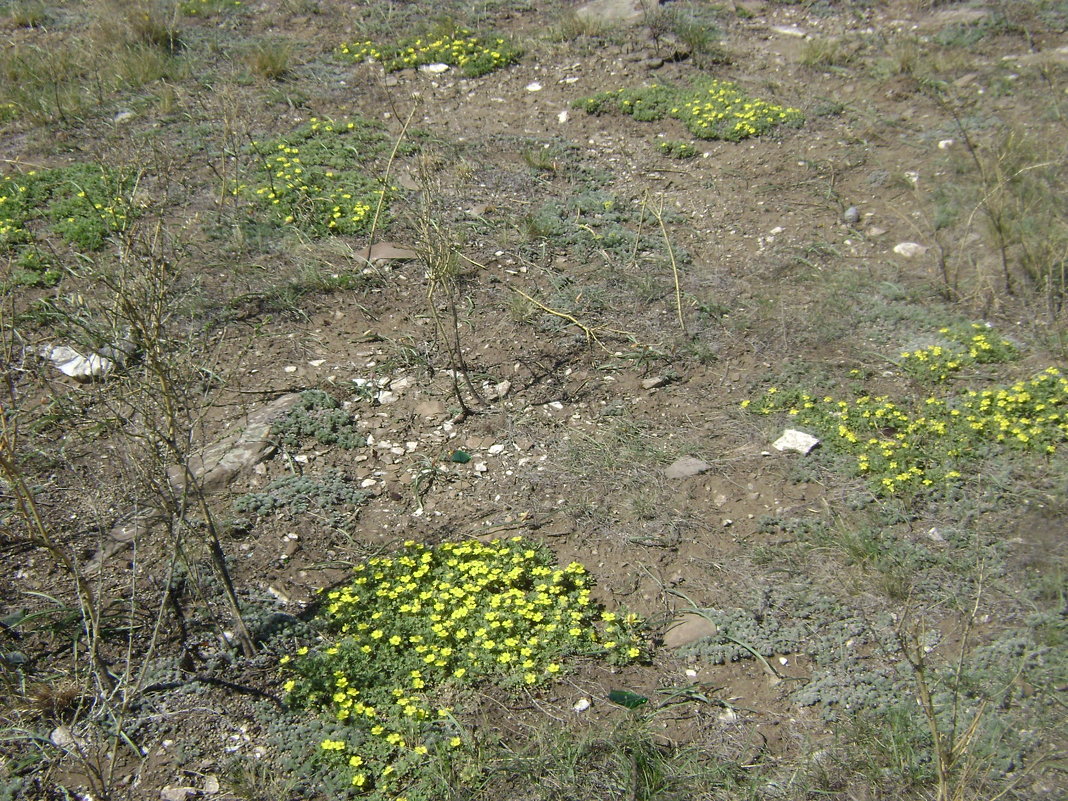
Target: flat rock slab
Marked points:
614	10
215	466
688	629
384	251
685	467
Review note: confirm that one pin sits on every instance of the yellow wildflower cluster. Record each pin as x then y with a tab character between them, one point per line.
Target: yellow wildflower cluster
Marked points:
409	627
461	48
310	179
902	450
722	111
710	109
8	111
968	346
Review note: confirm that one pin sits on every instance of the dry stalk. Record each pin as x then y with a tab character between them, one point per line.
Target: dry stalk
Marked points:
439	256
658	213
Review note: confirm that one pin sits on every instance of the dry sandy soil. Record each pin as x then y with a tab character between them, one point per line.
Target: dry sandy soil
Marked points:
574	367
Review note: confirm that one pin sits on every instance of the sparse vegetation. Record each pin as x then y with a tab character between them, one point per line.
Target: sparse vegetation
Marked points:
317	416
370	419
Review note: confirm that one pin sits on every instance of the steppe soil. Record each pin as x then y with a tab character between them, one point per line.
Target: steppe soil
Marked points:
551	310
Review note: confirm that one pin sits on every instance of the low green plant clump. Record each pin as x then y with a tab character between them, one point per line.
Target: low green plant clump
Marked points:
902	449
474	55
32	267
677	150
317	415
965	346
298	494
82	203
410	632
202	8
313	179
594	221
710	109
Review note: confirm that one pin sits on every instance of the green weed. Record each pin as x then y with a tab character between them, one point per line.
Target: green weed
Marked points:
824	53
298	494
82	203
317	416
60	79
270	59
677	150
27	14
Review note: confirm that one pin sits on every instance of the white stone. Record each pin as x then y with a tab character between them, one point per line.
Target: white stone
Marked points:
581	705
63	737
434	69
788	30
909	249
533	86
794	440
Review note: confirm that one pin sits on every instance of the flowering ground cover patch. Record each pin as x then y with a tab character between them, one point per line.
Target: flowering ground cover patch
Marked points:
473	54
82	203
906	447
710	108
965	346
410	631
314	178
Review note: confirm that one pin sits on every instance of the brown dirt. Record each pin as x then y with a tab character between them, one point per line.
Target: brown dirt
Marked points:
584	443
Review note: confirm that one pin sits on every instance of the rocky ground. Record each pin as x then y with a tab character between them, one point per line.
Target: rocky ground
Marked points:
551	334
